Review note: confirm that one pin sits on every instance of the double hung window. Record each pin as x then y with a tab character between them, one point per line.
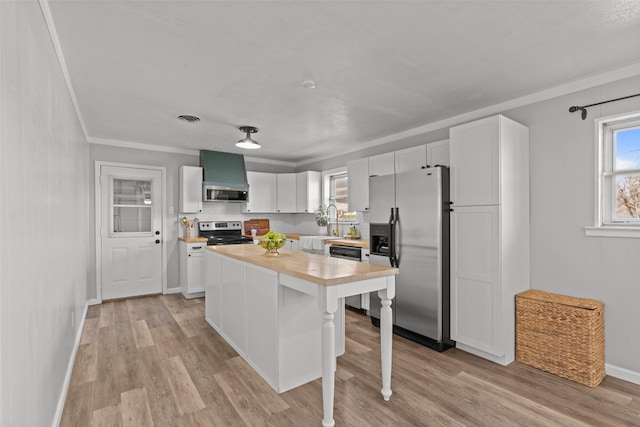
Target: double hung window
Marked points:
618	179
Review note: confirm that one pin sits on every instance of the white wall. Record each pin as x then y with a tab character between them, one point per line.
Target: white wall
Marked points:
563	259
43	220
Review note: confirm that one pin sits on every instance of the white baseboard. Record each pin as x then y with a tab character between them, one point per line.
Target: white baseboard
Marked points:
172	291
94	301
623	374
67	378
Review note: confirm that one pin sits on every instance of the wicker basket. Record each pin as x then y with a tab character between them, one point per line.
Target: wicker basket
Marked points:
562	335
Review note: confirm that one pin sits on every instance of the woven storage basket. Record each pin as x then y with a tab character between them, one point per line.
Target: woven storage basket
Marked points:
562	335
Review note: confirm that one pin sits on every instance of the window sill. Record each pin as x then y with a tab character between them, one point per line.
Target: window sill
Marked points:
612	232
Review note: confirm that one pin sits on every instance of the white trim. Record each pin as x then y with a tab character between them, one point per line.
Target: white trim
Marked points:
270	161
621	373
94	301
599	203
97	204
167	149
46	12
172	291
612	231
67	378
141	146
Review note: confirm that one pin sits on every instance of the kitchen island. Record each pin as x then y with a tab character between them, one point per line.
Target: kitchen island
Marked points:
281	313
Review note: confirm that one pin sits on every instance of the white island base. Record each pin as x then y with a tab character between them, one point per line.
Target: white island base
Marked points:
290	329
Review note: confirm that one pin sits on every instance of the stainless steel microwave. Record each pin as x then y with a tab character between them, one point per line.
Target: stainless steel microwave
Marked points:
216	193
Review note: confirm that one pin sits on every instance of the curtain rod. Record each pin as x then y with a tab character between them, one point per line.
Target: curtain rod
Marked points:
575	108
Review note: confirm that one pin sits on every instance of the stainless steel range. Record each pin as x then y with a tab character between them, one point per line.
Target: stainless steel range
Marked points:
223	233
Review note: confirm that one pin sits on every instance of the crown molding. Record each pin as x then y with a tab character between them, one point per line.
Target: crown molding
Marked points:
141	146
554	92
46	12
270	161
174	150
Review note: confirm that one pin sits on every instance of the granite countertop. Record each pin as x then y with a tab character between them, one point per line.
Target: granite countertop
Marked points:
318	269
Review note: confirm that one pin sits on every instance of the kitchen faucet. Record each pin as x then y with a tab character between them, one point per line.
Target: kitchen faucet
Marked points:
336	232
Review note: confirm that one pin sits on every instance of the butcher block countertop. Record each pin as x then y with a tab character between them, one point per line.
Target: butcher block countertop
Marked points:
356	243
318	269
194	239
292	236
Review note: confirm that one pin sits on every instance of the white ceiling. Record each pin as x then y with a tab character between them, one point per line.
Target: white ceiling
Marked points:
381	68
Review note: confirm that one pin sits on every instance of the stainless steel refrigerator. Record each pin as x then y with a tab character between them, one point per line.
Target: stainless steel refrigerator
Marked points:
409	229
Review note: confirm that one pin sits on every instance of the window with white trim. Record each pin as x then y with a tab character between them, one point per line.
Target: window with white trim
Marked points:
618	183
339	195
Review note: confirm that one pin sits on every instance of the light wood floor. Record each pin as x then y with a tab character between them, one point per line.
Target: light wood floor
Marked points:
154	361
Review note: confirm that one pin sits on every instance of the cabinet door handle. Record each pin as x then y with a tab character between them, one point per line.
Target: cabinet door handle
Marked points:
157	241
189	255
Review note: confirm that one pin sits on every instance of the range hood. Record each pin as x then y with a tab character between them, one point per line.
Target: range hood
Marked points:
224	177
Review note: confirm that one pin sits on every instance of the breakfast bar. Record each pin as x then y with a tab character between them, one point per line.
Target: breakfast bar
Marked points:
285	314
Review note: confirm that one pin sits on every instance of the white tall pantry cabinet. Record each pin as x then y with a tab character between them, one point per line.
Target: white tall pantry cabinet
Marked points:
489	234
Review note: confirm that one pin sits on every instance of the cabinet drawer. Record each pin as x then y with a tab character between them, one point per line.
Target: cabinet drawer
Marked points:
196	247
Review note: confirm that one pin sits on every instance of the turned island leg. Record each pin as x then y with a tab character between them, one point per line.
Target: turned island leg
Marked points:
386	334
328	306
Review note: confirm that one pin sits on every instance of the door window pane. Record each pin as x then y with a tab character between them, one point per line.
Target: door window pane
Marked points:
131	206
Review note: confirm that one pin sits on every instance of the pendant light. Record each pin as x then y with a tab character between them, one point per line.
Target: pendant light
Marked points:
247	142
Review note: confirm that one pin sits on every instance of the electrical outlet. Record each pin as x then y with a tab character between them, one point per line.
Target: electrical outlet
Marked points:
73	319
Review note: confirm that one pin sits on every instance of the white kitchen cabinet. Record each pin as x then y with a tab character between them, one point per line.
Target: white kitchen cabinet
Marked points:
489	234
438	153
285	192
308	189
475	163
382	164
411	159
262	192
262	321
358	182
190	184
192	269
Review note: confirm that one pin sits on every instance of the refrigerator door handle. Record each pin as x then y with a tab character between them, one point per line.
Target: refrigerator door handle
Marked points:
393	221
392	240
395	232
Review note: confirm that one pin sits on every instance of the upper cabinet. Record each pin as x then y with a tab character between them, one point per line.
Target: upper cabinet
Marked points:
411	159
285	192
262	192
438	153
382	164
190	184
475	158
358	173
308	188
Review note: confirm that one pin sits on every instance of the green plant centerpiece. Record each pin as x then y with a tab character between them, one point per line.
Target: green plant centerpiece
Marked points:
322	216
272	241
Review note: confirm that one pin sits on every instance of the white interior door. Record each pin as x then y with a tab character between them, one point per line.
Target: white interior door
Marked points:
130	231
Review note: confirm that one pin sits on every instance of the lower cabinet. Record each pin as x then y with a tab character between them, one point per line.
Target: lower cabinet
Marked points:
192	267
475	280
277	330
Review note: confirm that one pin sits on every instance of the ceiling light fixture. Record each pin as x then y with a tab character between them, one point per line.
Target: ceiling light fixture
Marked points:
247	142
188	118
309	84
